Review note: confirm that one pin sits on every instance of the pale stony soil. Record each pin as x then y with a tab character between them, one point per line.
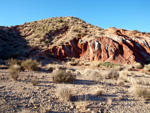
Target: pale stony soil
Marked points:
22	96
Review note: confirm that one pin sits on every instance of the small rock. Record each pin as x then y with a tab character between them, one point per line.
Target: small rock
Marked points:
71	107
89	109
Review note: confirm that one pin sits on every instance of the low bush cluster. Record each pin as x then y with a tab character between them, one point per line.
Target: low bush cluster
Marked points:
112	74
64	93
108	65
61	76
28	64
31	65
17	65
14	71
143	93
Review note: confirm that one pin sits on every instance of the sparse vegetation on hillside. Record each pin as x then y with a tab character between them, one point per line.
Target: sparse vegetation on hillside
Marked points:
11	45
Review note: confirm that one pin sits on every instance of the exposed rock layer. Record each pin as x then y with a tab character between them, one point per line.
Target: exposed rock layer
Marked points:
71	37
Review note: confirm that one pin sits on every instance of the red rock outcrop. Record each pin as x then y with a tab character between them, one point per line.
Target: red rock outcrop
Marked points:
71	37
116	48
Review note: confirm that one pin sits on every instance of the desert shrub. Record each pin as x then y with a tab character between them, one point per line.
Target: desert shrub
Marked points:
54	62
30	64
147	67
107	65
137	66
74	62
64	93
14	71
96	76
61	76
88	71
60	21
119	68
135	31
109	101
3	67
34	82
50	67
61	67
143	93
14	61
148	33
26	111
75	30
113	74
140	92
121	83
99	92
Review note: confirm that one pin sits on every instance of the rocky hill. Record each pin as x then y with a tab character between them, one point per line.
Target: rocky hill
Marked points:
72	37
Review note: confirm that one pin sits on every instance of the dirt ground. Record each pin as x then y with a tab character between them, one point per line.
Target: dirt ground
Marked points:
21	96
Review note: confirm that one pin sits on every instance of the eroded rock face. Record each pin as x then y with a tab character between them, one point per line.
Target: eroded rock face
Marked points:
71	37
116	48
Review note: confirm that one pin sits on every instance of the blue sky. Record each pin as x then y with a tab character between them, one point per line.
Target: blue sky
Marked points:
127	14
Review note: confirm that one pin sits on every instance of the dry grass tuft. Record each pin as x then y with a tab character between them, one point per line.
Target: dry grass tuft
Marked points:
119	98
31	65
143	93
108	65
137	66
35	82
74	62
87	71
99	92
140	92
14	61
61	76
64	93
50	67
26	111
14	71
96	76
61	67
121	83
113	74
109	101
147	68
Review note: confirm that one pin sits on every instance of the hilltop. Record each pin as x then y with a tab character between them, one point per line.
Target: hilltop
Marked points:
63	37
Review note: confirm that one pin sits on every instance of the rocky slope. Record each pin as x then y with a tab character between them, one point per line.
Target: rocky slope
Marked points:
72	37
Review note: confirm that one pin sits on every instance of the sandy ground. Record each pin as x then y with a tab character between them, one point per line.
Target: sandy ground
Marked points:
22	96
